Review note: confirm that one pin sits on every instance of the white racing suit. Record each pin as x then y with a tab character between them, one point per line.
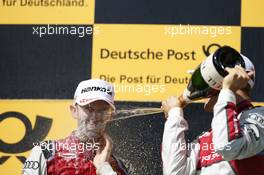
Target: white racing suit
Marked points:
234	146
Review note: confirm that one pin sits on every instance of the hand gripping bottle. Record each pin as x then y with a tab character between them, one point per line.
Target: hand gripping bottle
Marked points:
206	81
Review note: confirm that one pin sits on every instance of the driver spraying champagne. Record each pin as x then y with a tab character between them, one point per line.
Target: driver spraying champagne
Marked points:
235	143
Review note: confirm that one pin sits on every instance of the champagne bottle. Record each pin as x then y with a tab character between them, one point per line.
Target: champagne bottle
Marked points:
206	81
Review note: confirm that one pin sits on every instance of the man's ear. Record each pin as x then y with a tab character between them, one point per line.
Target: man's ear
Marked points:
73	110
113	113
112	116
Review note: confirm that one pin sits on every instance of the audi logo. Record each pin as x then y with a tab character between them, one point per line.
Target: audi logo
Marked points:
31	165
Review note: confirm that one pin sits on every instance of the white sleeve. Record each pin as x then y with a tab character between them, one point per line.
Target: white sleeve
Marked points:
105	169
233	139
35	163
176	160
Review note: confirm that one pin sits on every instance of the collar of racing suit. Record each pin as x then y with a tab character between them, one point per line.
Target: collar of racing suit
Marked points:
243	105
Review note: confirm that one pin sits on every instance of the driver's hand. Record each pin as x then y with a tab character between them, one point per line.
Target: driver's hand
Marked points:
237	78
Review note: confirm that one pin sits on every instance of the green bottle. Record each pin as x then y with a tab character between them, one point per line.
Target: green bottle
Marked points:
206	81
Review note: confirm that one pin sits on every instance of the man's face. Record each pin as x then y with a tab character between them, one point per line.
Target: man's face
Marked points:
92	119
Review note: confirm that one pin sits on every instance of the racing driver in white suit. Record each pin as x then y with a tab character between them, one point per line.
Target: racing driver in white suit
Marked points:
234	145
